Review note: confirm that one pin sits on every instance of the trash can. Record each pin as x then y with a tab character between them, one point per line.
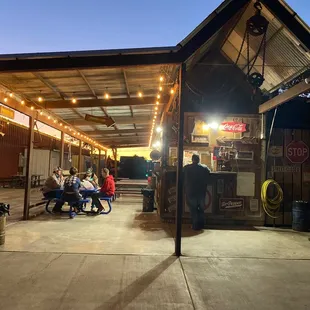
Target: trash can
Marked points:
4	210
148	199
301	216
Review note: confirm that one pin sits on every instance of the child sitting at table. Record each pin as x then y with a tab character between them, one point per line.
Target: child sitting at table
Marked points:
71	187
107	190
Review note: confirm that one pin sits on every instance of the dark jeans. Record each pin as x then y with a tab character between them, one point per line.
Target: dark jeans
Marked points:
95	199
196	206
59	203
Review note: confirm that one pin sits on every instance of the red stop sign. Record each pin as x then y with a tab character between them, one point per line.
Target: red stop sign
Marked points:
297	152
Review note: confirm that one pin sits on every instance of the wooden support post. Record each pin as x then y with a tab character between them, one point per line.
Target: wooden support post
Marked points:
106	158
115	165
62	150
28	169
179	185
80	168
91	156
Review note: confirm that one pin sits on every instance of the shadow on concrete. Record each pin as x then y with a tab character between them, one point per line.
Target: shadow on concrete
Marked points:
123	298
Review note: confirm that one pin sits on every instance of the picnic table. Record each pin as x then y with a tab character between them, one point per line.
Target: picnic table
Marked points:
86	193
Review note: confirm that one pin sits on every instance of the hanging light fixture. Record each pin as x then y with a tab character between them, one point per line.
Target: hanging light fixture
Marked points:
73	100
40	99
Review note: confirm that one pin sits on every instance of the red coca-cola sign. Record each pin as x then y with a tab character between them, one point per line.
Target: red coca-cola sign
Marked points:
233	127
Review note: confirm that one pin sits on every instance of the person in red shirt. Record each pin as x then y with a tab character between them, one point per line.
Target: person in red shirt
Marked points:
107	190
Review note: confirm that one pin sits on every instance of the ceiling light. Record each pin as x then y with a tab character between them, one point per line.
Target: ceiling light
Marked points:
140	94
106	96
159	129
5	99
158	96
40	99
11	95
73	100
161	78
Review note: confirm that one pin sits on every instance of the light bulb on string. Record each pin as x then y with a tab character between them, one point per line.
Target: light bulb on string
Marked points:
11	95
171	91
106	96
140	94
41	113
5	99
22	102
161	78
160	88
48	117
158	96
73	100
55	121
156	108
157	102
32	107
40	99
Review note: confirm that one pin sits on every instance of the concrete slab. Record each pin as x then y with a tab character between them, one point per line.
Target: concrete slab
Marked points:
126	230
49	281
237	284
257	243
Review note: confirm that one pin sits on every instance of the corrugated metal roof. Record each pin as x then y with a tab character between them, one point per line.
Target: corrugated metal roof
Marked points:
285	58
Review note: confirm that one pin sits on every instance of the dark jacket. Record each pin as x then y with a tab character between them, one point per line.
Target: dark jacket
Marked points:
196	178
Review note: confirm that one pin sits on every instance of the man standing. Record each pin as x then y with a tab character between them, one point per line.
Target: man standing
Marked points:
195	183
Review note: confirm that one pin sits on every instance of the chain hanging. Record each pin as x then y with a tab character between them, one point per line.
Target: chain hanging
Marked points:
256	26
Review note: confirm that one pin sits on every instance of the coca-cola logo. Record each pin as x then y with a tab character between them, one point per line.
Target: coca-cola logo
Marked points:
233	127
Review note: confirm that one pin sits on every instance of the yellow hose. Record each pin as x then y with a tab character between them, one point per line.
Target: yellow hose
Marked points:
271	205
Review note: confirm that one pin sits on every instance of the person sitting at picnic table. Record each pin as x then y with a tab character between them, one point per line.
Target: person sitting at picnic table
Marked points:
107	190
52	183
91	177
72	185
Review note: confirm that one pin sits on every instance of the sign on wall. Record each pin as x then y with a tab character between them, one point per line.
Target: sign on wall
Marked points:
285	169
276	151
233	127
297	152
231	204
9	113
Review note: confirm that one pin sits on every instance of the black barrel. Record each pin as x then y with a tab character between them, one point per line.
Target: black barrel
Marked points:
148	199
301	216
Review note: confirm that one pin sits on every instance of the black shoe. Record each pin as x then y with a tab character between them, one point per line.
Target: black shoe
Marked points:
56	211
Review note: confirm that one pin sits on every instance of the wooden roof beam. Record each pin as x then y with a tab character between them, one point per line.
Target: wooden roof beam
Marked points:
105	133
117	102
289	94
120	120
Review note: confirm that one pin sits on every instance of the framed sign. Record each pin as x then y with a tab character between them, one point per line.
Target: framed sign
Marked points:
231	204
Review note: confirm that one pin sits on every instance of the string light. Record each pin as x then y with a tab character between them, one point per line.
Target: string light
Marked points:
155	112
32	107
66	127
5	99
156	108
155	116
161	78
158	96
55	121
172	91
160	88
49	117
157	102
60	124
11	95
41	113
22	102
40	99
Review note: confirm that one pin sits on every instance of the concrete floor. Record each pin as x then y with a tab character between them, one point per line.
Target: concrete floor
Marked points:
123	261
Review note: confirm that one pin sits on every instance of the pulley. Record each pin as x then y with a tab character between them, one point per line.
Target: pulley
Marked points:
257	24
256	79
